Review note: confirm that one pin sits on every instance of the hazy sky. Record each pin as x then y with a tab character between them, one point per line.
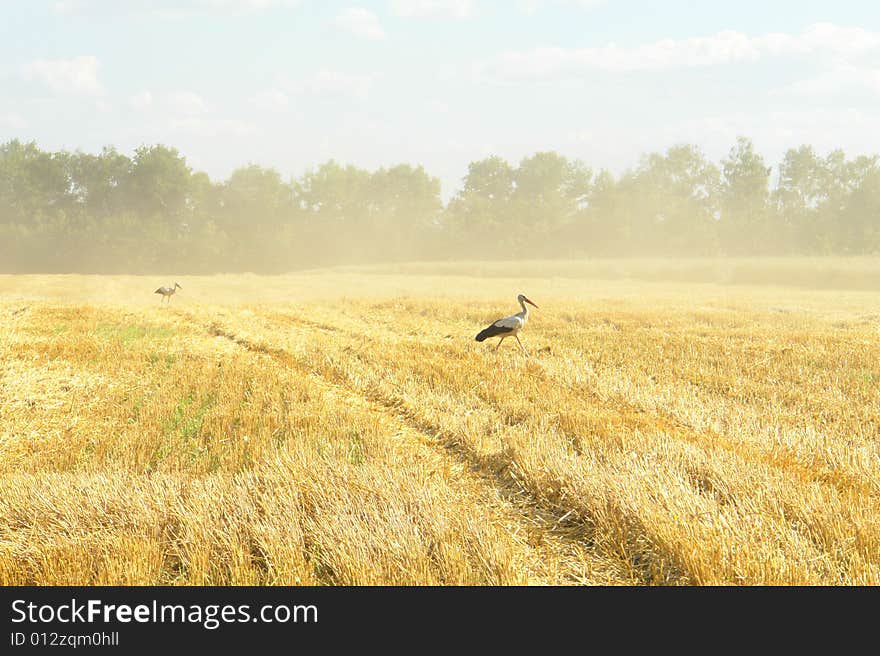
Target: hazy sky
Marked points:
292	83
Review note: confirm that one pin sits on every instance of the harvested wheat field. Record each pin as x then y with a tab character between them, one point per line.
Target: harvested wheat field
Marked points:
343	427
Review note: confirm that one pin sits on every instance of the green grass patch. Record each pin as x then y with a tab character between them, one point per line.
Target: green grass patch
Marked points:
184	427
126	334
192	426
177	415
356	455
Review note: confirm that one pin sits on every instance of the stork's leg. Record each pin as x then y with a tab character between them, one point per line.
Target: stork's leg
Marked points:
521	346
499	342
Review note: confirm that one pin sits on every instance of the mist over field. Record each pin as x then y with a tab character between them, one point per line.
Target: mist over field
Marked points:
150	212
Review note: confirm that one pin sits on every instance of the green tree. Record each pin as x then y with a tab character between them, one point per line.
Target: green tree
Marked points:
252	207
158	186
491	178
337	204
675	198
551	193
478	213
333	193
96	183
35	186
744	197
858	222
605	228
254	200
403	210
803	187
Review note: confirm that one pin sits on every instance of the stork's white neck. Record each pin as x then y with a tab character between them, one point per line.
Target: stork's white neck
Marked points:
525	309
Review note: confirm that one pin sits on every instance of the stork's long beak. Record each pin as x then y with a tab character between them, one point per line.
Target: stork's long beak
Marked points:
529	302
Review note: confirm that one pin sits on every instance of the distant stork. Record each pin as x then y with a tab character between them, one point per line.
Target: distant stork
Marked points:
509	325
167	292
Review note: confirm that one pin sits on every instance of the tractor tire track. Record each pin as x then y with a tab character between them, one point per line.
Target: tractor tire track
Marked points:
781	458
561	531
502	466
669	422
852	489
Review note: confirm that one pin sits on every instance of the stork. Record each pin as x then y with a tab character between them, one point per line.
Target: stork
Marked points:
509	325
167	292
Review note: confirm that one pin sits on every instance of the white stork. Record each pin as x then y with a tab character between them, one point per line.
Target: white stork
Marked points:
167	292
509	325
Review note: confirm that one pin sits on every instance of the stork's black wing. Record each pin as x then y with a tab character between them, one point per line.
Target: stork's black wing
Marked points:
493	331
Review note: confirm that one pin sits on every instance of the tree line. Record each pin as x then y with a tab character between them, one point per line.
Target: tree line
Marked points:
150	212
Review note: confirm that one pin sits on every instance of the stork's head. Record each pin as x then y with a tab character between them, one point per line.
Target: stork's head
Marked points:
176	286
522	298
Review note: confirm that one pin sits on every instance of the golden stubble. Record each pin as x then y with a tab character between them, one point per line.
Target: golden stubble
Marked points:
344	428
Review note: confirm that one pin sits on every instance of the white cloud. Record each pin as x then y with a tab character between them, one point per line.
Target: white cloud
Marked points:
581	136
725	47
531	6
209	127
241	4
823	38
77	76
438	107
840	79
433	8
166	9
12	121
177	104
272	100
775	131
338	83
360	22
141	100
185	113
186	103
325	84
69	6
